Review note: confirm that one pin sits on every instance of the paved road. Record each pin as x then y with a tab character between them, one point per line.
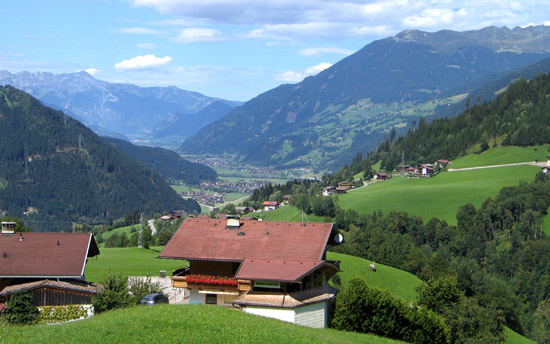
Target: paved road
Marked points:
151	224
533	163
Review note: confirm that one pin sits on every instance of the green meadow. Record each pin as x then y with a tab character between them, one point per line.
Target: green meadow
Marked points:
288	213
131	261
118	231
439	196
398	282
503	155
194	324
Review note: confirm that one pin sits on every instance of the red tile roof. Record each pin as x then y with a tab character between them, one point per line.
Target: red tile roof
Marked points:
271	203
45	254
281	270
209	239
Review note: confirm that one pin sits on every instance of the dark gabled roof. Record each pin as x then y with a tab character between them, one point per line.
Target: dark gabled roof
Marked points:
281	270
210	239
91	289
45	255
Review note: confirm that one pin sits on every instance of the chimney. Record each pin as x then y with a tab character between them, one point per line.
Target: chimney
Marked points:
8	227
233	222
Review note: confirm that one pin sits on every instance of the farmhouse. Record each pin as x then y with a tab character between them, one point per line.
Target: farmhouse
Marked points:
381	176
345	185
442	163
273	269
329	190
270	205
50	265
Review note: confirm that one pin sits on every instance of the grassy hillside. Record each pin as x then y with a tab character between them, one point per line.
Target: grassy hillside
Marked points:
180	324
287	213
398	282
118	231
131	261
503	155
439	196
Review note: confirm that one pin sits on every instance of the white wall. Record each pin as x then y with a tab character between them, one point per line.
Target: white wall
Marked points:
284	314
314	315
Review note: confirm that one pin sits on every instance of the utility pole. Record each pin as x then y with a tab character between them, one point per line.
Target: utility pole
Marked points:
140	240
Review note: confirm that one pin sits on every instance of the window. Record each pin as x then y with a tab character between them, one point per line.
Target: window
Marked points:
211	299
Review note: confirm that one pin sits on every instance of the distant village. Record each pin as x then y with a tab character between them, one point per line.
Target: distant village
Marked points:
419	171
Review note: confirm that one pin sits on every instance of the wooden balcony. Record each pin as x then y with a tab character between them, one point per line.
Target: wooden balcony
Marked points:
181	282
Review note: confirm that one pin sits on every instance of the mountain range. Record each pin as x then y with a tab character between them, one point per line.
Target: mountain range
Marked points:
121	110
55	171
323	121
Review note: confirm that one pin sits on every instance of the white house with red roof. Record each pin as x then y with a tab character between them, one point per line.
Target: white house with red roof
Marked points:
273	269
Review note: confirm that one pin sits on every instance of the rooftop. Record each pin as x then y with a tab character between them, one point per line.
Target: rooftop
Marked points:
283	270
45	254
211	239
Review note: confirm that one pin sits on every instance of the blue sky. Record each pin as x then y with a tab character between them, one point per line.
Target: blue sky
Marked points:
233	49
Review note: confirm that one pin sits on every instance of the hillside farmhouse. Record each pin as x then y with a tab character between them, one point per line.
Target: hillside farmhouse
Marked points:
270	205
50	265
273	269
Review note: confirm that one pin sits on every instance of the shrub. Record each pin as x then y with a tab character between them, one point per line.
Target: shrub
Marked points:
362	309
20	309
115	295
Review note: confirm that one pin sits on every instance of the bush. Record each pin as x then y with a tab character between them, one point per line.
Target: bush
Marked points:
362	309
114	296
20	309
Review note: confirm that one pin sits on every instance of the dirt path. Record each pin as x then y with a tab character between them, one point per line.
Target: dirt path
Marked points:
532	163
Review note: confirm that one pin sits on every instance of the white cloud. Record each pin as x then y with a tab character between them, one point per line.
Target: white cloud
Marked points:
92	71
138	31
190	35
431	17
291	76
143	62
291	21
317	52
314	70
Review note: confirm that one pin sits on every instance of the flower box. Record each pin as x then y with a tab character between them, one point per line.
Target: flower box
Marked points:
211	280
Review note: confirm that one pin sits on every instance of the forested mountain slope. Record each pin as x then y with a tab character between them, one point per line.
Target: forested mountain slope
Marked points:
520	116
54	170
167	163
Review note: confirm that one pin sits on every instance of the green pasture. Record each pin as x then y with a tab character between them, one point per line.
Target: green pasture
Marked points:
194	324
131	261
398	282
119	231
503	155
234	196
439	196
183	188
288	213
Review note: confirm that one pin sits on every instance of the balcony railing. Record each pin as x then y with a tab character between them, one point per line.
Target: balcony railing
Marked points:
205	282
